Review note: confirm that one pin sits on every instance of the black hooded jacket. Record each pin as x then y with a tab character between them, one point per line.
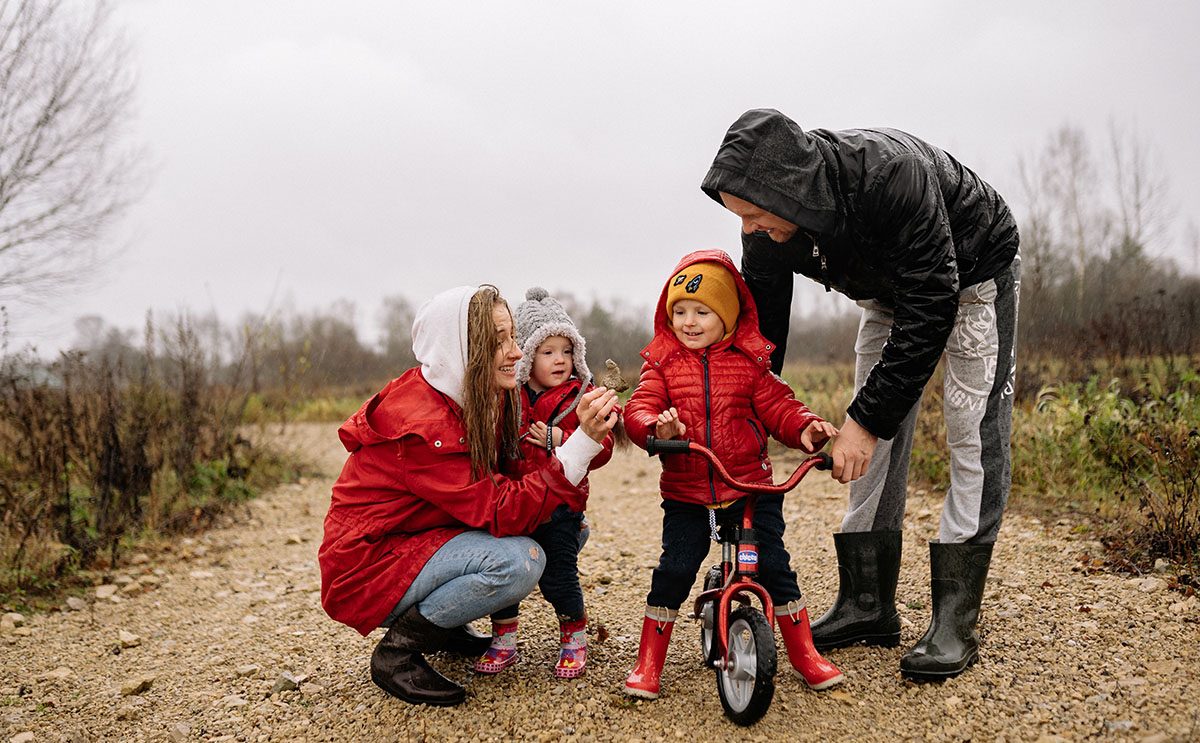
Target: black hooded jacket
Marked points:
882	215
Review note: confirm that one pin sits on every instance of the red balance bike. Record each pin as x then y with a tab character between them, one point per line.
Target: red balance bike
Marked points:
738	643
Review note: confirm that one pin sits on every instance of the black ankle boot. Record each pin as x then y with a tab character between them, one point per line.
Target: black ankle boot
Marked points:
865	610
465	641
950	645
398	667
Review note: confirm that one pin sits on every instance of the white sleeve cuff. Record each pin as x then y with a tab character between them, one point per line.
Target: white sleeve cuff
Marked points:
576	454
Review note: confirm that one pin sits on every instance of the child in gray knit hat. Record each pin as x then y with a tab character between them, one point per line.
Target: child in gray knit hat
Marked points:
553	375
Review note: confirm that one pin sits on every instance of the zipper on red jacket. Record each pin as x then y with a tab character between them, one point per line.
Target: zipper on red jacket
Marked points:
712	487
762	441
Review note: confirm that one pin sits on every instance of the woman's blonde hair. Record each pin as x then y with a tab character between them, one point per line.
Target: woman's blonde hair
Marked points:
491	415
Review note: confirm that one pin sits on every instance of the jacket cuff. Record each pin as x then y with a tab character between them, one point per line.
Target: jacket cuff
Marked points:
884	430
575	454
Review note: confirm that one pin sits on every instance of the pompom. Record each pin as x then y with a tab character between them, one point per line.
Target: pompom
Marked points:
536	294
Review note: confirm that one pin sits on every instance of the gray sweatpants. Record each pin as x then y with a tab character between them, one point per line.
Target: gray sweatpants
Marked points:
977	403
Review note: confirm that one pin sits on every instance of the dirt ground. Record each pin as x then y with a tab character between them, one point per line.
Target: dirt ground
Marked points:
223	638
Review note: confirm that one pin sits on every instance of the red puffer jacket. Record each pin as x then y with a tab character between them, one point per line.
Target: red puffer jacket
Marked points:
406	490
549	404
725	394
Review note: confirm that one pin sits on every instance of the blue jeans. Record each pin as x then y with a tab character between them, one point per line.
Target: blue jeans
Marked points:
471	576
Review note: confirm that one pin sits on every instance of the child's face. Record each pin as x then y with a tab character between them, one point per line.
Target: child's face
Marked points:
695	325
553	362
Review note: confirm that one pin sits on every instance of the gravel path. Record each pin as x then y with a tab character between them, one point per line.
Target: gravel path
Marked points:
223	638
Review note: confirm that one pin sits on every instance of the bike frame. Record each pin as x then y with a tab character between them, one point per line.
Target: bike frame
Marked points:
738	574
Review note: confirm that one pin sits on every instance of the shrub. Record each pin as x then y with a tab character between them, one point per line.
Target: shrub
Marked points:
95	451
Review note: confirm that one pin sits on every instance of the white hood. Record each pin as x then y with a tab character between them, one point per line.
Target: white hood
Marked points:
439	334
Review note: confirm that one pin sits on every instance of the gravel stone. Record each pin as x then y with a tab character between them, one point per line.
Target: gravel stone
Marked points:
137	685
107	591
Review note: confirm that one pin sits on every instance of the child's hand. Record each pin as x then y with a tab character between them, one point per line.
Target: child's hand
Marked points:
669	426
537	434
816	434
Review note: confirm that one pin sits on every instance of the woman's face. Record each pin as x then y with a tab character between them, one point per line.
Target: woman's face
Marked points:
507	352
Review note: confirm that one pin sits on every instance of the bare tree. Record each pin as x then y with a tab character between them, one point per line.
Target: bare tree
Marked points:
66	91
1192	243
1141	189
395	320
1072	184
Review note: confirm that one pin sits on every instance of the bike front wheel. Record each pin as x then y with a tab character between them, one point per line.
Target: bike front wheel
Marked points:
746	684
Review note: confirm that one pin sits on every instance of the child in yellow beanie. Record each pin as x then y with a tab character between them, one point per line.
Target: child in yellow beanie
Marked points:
707	376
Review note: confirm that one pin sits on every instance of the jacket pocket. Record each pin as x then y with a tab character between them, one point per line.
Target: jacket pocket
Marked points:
760	436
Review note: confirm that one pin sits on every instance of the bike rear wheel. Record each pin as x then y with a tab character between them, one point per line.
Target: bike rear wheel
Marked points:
747	684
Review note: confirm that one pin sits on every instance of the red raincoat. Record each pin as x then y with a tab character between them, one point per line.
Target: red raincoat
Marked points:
549	404
725	394
406	490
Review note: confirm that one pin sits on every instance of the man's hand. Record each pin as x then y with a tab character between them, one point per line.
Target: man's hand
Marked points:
669	426
852	451
597	414
814	436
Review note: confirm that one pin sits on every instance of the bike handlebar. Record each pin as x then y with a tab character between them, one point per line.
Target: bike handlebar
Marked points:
667	446
820	461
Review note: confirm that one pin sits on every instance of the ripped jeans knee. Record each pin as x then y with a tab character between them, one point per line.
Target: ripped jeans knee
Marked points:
471	576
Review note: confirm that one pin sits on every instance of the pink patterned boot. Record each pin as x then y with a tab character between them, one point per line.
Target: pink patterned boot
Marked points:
503	651
572	656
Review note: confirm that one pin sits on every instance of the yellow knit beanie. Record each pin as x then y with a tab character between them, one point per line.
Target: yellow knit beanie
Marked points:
710	284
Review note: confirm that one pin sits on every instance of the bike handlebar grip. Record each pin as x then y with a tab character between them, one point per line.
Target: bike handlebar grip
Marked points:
667	446
826	461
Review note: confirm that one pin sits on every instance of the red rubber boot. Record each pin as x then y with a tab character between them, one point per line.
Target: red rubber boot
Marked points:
503	651
643	681
572	654
817	672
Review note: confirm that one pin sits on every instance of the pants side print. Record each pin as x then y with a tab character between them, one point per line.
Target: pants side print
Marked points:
977	405
994	432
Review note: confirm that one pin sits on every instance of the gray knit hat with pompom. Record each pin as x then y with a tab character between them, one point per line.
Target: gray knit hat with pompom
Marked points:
539	317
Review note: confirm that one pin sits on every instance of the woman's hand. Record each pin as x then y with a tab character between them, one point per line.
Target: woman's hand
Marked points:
597	414
669	426
816	434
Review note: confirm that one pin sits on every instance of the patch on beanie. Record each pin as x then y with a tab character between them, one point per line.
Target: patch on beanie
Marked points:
693	286
680	279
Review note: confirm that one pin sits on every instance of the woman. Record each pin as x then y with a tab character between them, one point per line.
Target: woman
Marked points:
422	534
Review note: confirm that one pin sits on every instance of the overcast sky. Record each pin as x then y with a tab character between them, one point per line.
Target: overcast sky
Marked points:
306	152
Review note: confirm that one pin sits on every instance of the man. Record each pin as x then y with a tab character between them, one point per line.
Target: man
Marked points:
929	251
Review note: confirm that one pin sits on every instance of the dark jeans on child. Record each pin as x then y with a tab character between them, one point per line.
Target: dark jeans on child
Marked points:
687	537
562	538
